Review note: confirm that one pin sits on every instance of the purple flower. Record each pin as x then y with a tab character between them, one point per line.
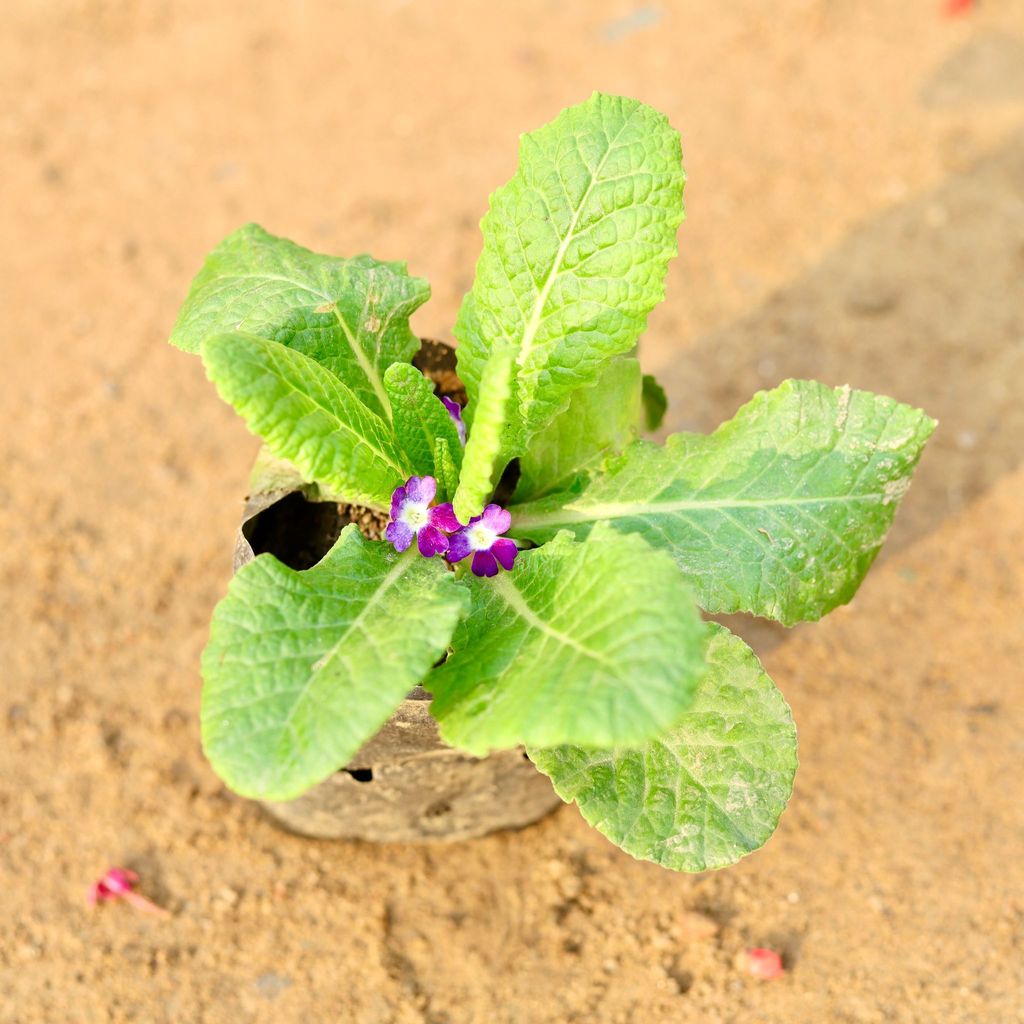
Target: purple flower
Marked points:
482	538
412	516
455	411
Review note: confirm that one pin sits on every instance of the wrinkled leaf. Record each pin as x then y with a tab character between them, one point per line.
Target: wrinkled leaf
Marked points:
481	463
350	315
595	643
303	667
308	416
780	512
575	251
708	791
421	420
598	421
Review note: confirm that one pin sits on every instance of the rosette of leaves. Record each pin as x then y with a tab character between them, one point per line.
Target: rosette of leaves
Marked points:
593	652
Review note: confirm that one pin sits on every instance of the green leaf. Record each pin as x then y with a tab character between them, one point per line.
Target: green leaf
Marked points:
303	667
599	420
575	251
595	643
780	512
482	462
655	403
308	416
445	471
708	791
420	419
350	315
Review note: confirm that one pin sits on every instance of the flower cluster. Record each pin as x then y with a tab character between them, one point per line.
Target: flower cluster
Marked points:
438	531
412	516
481	538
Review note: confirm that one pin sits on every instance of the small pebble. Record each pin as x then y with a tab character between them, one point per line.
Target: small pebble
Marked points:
228	896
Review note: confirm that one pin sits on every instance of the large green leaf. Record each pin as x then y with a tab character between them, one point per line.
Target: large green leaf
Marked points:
350	315
481	463
421	421
779	512
595	643
599	420
575	251
308	416
303	667
709	790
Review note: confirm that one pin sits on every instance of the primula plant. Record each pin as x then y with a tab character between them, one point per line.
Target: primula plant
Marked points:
566	616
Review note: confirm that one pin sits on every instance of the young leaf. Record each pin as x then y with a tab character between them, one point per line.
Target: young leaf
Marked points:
445	471
350	315
599	420
482	462
420	419
595	643
308	416
575	251
655	403
779	512
303	667
708	791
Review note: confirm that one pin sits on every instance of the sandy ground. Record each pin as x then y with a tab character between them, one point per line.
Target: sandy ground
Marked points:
856	213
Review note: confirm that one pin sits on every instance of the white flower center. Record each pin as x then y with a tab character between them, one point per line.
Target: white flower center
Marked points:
481	538
415	515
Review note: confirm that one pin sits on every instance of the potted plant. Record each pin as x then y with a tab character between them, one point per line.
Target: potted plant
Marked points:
465	575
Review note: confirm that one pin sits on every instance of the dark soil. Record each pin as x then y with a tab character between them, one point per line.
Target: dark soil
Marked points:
300	532
437	360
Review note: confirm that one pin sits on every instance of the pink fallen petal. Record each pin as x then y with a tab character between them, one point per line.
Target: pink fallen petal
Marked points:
119	884
115	883
763	963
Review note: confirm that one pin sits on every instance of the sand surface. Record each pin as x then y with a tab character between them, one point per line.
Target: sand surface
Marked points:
855	213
